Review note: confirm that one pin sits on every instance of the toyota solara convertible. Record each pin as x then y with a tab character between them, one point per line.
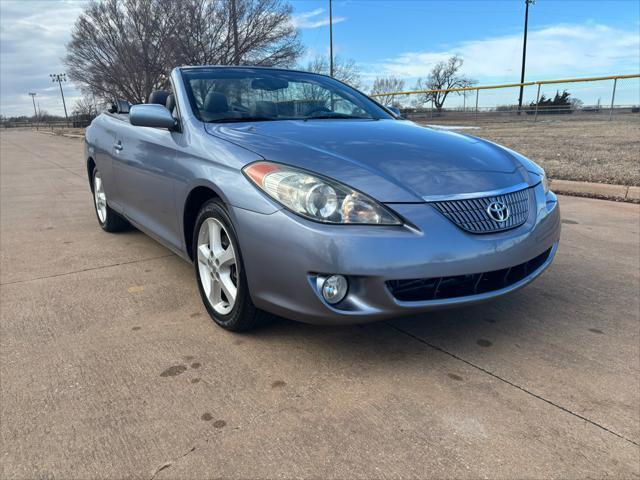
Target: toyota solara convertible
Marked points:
294	194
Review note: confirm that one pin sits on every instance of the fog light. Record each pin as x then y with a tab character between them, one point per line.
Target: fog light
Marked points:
334	289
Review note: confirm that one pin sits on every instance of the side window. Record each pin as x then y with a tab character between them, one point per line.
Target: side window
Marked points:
341	105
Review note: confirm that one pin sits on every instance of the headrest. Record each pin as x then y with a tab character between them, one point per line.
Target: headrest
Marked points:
122	106
159	97
216	102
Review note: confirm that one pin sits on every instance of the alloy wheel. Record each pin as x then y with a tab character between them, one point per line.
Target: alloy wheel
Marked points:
217	266
99	197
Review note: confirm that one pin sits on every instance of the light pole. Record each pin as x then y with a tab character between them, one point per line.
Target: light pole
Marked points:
330	38
234	24
61	77
35	112
524	50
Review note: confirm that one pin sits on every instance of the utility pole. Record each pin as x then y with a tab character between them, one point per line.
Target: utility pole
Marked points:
331	38
35	112
524	50
234	25
61	77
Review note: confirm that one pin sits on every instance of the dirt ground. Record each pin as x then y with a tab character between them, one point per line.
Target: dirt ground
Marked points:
587	150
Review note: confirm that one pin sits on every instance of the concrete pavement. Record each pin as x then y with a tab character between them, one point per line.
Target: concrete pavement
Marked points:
110	367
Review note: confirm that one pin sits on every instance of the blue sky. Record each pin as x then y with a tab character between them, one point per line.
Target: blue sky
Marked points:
404	38
379	32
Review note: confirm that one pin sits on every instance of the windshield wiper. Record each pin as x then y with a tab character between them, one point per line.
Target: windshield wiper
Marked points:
337	115
243	119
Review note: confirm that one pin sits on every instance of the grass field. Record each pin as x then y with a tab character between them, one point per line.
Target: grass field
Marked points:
588	150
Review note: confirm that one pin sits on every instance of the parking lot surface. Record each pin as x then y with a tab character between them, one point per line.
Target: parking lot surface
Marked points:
111	368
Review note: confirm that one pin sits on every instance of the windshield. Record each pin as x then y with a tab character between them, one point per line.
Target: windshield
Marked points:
251	94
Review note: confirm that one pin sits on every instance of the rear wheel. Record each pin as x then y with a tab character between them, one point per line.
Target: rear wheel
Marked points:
109	220
219	270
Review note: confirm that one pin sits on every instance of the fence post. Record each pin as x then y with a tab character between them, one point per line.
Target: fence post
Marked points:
431	110
477	95
535	117
613	97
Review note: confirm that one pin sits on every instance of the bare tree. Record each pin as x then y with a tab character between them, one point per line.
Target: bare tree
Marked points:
85	106
121	48
126	48
444	76
387	85
248	32
345	70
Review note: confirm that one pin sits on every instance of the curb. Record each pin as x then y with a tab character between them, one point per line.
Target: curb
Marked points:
55	134
620	193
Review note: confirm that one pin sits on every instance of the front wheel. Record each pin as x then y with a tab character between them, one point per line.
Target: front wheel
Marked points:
109	220
219	270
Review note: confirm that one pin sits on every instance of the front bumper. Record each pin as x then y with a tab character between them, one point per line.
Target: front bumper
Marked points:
283	255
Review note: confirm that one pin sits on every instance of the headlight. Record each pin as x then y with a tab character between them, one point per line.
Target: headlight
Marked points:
316	197
545	182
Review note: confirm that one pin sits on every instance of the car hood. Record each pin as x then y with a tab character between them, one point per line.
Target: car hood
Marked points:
390	160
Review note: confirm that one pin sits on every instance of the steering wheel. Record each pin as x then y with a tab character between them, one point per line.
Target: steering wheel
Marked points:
319	110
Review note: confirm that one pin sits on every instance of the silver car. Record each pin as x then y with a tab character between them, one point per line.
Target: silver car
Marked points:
294	194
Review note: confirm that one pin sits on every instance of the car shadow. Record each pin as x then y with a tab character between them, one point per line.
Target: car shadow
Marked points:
459	330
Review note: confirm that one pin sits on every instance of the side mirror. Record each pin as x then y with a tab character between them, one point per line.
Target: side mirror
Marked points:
396	111
151	115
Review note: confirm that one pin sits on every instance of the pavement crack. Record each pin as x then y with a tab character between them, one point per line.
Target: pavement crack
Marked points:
168	464
504	380
87	270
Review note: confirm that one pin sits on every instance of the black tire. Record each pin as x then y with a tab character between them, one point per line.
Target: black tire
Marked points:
244	315
113	221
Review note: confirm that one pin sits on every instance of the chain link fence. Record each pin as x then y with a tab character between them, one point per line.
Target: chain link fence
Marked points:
603	98
48	124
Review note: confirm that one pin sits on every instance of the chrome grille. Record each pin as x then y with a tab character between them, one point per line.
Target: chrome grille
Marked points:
471	214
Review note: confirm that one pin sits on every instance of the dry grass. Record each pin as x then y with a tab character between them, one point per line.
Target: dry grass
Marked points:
591	150
588	150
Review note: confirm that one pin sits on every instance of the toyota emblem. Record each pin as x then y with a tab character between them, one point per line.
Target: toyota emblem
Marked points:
498	211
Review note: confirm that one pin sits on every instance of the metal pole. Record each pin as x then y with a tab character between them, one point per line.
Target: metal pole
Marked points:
477	95
234	24
35	112
535	118
331	38
61	77
63	103
613	98
524	51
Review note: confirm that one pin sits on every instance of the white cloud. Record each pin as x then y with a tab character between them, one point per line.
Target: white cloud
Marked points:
33	35
314	19
555	51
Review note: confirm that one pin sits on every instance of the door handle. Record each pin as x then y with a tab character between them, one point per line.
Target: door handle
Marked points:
117	146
